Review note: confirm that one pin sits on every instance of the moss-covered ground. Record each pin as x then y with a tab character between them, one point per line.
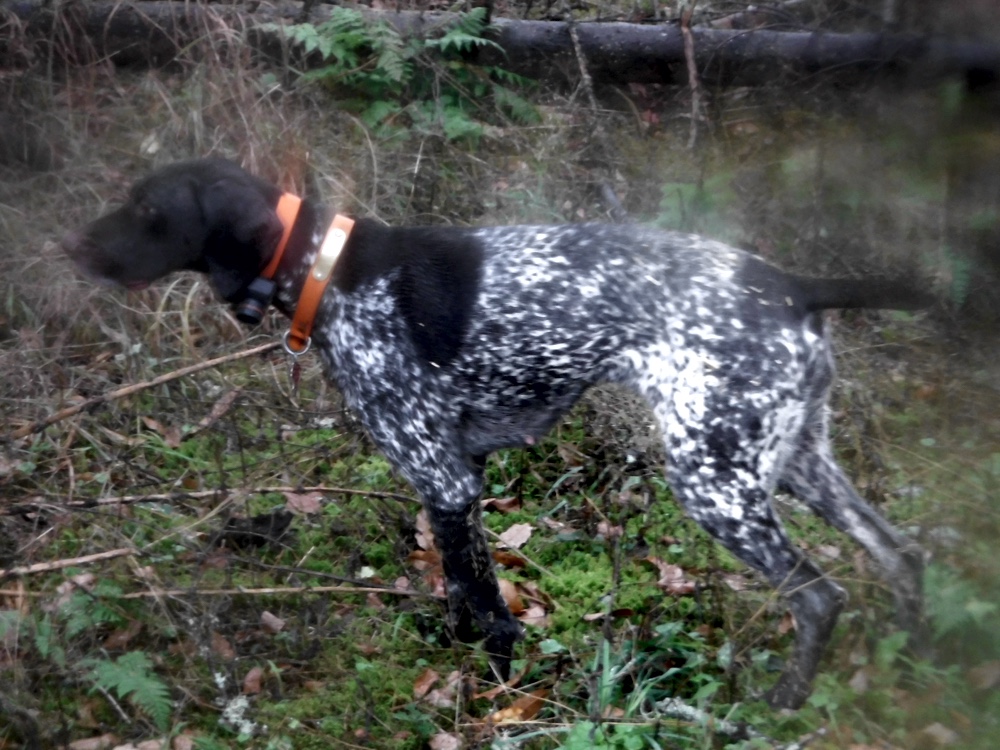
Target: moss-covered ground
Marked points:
224	560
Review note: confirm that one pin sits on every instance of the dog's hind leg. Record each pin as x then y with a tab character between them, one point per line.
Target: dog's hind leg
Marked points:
813	476
737	512
718	468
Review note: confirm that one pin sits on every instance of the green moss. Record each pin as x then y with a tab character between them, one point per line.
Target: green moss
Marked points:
363	680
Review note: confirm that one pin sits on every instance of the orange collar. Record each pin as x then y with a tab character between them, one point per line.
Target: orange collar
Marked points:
288	211
297	338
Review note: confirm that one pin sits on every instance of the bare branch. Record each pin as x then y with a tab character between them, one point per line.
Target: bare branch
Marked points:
128	390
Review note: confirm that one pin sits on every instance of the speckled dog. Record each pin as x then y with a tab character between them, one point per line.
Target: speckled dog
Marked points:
450	343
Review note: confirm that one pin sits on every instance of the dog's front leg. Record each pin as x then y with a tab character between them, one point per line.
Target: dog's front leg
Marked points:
474	599
412	424
420	445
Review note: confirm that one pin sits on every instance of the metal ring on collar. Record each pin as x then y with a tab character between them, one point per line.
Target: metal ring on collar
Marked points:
284	343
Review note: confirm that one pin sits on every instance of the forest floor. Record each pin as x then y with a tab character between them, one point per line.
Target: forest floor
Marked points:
136	606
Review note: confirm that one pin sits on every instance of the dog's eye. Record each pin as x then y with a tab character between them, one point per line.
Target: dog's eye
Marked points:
152	219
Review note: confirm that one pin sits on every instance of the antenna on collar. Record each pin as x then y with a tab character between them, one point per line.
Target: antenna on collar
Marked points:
259	294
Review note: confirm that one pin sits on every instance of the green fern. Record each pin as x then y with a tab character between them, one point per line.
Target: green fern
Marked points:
374	71
465	34
47	642
131	677
87	611
961	270
515	106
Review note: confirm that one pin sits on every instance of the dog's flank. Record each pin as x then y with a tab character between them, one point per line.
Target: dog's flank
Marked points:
450	343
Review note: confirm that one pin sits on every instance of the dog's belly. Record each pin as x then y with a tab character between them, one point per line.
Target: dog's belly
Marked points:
485	432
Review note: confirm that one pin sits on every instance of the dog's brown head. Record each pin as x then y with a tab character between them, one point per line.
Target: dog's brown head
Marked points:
202	215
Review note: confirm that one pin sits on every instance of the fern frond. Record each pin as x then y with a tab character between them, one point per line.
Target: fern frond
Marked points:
519	109
465	34
131	677
89	610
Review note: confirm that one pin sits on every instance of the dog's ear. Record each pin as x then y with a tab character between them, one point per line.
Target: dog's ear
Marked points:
243	232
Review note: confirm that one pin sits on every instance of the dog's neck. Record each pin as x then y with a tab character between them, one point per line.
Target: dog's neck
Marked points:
302	263
294	255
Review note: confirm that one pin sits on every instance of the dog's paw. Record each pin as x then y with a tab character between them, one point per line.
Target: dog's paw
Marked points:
790	692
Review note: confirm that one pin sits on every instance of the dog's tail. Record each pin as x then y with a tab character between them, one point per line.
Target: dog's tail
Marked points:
886	294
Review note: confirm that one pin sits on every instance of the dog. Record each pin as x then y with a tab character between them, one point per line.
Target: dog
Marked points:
450	343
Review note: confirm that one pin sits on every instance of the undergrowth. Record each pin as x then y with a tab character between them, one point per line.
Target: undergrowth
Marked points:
323	625
396	87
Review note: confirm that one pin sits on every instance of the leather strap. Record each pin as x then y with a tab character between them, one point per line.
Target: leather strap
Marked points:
297	339
288	211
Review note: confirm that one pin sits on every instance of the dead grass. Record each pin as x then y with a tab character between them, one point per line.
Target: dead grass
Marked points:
61	340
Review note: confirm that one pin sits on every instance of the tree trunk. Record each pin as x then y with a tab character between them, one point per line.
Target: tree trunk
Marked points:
154	33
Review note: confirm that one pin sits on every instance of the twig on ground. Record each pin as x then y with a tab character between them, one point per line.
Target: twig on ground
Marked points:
128	390
66	563
41	502
158	592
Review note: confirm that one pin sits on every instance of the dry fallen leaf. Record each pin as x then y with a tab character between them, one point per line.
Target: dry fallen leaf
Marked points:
271	623
252	681
503	687
144	745
424	683
441	698
609	530
171	434
614	614
517	535
424	536
222	648
501	504
304	503
145	573
525	708
424	559
219	409
554	525
787	623
508	590
531	590
508	559
120	638
446	741
104	742
672	578
535	615
444	697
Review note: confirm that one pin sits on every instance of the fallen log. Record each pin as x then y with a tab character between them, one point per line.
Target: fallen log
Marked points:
156	32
